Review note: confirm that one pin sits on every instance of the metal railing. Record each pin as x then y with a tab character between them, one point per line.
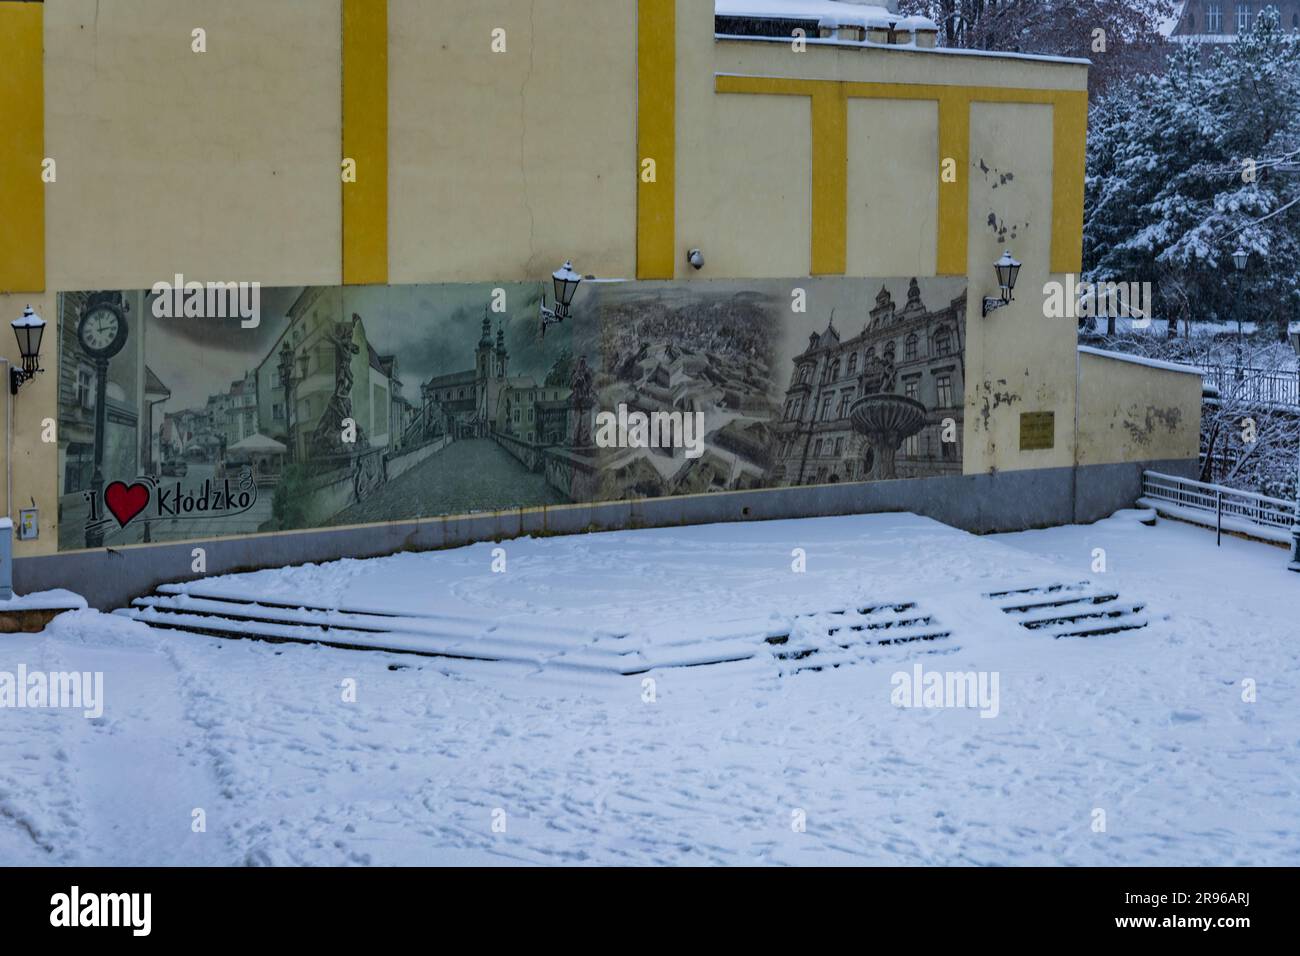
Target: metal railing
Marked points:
1255	384
1218	506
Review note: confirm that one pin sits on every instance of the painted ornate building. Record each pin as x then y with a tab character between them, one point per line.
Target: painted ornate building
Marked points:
477	402
816	442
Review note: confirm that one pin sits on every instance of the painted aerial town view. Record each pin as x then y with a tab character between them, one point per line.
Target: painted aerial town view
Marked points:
387	403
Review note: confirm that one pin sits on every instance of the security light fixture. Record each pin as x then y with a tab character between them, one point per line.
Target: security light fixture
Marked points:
1239	259
696	258
1008	270
28	329
566	284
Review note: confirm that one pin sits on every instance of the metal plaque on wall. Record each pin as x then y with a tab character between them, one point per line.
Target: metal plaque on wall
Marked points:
1037	431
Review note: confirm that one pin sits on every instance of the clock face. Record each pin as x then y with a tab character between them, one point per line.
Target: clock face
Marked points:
101	331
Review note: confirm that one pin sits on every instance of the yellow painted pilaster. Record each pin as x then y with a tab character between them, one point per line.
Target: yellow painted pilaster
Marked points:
1069	146
830	180
365	141
22	145
656	198
954	197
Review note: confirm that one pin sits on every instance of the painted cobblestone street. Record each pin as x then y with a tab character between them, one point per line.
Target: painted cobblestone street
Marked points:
476	474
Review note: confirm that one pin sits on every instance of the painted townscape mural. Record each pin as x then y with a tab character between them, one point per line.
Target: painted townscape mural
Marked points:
190	412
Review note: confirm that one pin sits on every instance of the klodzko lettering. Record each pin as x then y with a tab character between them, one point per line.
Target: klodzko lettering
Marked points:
171	501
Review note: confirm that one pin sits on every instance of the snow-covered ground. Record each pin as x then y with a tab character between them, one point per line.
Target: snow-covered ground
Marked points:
462	762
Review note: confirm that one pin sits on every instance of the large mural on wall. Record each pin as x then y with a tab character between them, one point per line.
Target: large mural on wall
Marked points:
190	412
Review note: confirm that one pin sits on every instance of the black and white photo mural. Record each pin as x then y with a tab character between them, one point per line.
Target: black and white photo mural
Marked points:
188	411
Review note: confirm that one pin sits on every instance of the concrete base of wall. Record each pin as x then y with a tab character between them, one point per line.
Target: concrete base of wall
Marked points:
982	504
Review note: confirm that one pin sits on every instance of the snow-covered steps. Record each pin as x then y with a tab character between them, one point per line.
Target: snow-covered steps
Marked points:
807	641
541	645
429	635
872	633
1071	610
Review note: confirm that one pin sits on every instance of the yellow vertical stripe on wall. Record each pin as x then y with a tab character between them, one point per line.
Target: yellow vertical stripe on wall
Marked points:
1069	147
954	197
365	140
22	147
656	70
830	180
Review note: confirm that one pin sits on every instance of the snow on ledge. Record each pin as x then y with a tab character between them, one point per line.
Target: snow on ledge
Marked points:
830	13
1139	360
56	600
912	48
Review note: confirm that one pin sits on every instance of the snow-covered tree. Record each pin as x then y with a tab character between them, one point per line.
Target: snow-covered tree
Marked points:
1186	165
1117	35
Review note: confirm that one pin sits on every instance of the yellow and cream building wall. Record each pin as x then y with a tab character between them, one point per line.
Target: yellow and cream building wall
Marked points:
492	140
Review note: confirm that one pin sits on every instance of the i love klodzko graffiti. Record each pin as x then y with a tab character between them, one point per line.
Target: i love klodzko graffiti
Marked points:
148	499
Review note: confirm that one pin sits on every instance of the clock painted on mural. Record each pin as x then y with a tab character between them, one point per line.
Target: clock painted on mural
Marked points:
102	330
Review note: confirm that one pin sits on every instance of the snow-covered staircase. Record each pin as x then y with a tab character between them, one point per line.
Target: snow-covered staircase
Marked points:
871	633
1071	610
805	641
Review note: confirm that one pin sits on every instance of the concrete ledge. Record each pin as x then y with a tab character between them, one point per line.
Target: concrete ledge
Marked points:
982	504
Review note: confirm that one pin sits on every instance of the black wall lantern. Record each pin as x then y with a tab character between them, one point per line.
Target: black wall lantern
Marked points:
28	329
1008	270
566	284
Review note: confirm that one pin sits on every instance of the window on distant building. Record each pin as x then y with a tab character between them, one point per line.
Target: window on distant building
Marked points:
845	401
1243	17
943	342
817	449
912	446
943	384
853	363
948	450
839	447
1213	18
909	348
85	386
909	390
826	407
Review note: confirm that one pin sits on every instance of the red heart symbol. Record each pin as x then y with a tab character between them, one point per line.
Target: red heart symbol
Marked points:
126	501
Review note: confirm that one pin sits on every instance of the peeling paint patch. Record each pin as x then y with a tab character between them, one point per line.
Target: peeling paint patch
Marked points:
1152	418
992	399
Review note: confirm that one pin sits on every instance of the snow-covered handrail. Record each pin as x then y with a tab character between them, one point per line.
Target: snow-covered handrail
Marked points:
1218	506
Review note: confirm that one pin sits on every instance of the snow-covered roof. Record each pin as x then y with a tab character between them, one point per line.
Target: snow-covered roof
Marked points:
829	13
1168	24
1141	360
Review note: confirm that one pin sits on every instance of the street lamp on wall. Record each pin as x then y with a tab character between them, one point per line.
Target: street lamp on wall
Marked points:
566	283
29	328
1239	259
1008	270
